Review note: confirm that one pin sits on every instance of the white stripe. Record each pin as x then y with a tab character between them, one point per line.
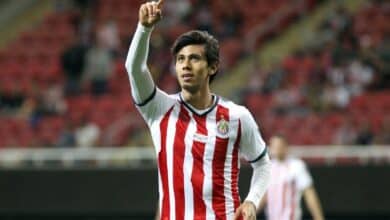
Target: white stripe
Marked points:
278	194
208	164
272	193
289	198
229	201
170	140
160	194
298	210
155	129
187	170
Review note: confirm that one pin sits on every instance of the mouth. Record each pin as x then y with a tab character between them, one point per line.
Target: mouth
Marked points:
187	76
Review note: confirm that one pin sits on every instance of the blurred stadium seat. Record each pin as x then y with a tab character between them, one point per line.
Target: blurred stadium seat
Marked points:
34	69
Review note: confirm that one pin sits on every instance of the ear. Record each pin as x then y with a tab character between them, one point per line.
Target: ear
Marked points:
213	68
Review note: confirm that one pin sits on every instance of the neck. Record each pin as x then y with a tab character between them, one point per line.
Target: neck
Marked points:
200	99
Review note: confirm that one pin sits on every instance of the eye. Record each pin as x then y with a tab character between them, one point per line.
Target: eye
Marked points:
180	59
195	58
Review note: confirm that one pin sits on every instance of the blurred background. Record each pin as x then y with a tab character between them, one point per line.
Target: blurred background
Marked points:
73	146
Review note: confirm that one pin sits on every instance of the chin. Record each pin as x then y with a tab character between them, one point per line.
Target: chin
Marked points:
189	87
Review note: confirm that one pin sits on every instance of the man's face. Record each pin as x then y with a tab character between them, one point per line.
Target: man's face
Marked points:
278	147
192	68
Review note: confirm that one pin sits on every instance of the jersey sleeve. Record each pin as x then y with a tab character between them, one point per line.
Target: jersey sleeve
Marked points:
252	145
151	101
141	82
156	105
304	178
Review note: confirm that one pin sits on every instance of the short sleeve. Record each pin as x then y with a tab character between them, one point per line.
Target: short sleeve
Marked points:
156	105
304	178
252	145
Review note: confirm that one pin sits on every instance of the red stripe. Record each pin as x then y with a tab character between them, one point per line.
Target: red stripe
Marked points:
178	161
292	200
219	158
162	165
197	177
235	170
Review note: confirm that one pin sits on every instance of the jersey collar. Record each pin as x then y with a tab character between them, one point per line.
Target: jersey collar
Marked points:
197	111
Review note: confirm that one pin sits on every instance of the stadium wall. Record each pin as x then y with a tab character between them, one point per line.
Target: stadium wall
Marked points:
348	192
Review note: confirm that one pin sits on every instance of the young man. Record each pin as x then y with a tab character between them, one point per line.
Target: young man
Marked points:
290	180
198	136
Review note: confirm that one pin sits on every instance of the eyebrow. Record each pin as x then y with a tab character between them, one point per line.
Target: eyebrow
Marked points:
191	55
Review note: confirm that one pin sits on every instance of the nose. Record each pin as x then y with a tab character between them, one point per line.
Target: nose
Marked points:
186	64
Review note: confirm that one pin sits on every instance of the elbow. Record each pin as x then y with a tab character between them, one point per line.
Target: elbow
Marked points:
130	66
133	67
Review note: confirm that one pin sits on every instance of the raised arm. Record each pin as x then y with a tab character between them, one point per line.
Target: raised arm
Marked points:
142	85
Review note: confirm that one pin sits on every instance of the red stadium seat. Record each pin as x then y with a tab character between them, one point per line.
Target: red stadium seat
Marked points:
231	50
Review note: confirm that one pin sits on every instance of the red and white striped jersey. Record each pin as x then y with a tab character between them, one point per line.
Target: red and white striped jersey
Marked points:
289	179
198	154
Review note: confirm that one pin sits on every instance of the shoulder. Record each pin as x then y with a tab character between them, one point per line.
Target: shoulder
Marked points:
157	105
174	96
236	111
157	97
297	164
301	173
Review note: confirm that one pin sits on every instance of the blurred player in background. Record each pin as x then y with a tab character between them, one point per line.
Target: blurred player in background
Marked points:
198	136
289	181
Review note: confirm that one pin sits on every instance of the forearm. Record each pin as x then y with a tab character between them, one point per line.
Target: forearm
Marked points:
260	180
316	212
313	203
141	81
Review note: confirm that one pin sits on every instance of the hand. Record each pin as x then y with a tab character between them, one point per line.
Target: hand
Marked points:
247	210
150	13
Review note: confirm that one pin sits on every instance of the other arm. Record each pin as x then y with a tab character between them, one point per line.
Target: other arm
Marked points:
313	203
254	150
262	203
259	183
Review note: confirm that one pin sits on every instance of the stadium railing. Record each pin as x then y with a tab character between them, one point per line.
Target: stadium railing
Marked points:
141	156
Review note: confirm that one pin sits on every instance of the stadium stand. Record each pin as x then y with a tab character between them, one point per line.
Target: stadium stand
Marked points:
36	109
345	76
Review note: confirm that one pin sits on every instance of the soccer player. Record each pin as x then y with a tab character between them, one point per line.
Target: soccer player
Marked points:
198	136
290	180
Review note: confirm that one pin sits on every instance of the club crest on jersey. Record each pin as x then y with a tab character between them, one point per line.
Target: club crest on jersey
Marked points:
223	127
